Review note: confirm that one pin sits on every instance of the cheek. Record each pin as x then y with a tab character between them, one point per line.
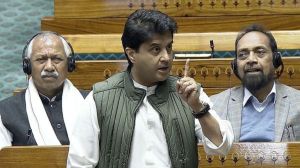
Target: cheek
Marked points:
36	71
240	69
62	68
269	70
63	73
147	64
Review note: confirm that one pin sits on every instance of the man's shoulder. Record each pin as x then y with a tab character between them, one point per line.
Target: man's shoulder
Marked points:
226	92
287	89
115	81
12	102
14	99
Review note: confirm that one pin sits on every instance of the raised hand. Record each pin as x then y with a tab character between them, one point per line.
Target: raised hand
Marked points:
188	89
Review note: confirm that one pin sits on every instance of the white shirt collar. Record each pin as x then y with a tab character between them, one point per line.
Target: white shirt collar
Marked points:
149	90
257	105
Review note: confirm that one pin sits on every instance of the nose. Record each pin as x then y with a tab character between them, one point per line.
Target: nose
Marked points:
252	58
49	65
165	56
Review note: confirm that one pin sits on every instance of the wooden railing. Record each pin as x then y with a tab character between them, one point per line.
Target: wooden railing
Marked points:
242	155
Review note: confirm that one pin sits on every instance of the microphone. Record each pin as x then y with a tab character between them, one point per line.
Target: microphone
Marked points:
29	132
290	130
212	46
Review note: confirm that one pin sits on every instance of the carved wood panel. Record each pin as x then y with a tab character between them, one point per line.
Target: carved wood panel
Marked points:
214	74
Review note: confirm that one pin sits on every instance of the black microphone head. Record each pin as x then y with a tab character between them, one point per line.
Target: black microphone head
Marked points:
212	46
211	42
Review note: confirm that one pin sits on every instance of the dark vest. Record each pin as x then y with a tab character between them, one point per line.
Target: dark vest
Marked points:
117	102
14	118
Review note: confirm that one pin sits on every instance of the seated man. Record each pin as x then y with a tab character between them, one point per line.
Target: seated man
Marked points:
44	113
262	109
143	117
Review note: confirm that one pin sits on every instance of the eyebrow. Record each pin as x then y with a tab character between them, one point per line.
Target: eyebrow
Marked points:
255	48
154	43
51	56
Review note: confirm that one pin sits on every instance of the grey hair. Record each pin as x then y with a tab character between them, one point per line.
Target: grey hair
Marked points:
67	48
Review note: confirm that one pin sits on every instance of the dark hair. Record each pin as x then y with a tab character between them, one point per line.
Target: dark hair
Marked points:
142	25
257	28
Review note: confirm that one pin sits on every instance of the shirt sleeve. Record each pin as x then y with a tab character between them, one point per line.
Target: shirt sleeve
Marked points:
5	136
84	143
225	128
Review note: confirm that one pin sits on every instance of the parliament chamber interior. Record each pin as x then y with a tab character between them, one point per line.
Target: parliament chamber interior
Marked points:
94	29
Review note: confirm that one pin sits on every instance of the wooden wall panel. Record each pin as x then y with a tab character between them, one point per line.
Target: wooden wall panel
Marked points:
90	43
254	155
185	24
214	74
108	16
176	8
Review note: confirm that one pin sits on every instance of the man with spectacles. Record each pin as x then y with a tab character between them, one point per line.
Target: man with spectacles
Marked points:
261	109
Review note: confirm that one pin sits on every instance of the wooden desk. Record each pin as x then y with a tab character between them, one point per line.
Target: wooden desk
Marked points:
254	155
34	157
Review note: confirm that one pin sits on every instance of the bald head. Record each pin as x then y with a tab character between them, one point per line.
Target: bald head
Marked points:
47	39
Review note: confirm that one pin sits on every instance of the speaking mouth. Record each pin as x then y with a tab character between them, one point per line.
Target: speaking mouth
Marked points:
50	76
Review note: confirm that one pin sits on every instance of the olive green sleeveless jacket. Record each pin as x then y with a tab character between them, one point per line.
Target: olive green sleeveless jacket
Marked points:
118	101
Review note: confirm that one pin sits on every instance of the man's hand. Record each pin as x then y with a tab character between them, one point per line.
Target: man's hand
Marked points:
188	90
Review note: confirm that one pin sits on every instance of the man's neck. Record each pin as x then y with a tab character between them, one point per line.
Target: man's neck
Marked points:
51	93
263	92
136	77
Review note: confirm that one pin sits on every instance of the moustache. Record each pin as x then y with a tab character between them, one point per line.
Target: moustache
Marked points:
252	69
46	74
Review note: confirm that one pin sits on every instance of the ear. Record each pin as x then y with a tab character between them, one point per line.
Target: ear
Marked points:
278	72
131	54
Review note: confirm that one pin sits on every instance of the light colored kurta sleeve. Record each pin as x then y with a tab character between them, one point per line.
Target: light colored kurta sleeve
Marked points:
5	136
225	128
84	141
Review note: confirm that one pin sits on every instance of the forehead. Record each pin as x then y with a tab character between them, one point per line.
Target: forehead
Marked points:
47	43
163	39
253	39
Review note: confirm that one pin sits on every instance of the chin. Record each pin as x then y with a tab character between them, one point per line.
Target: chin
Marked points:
162	78
255	82
51	86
